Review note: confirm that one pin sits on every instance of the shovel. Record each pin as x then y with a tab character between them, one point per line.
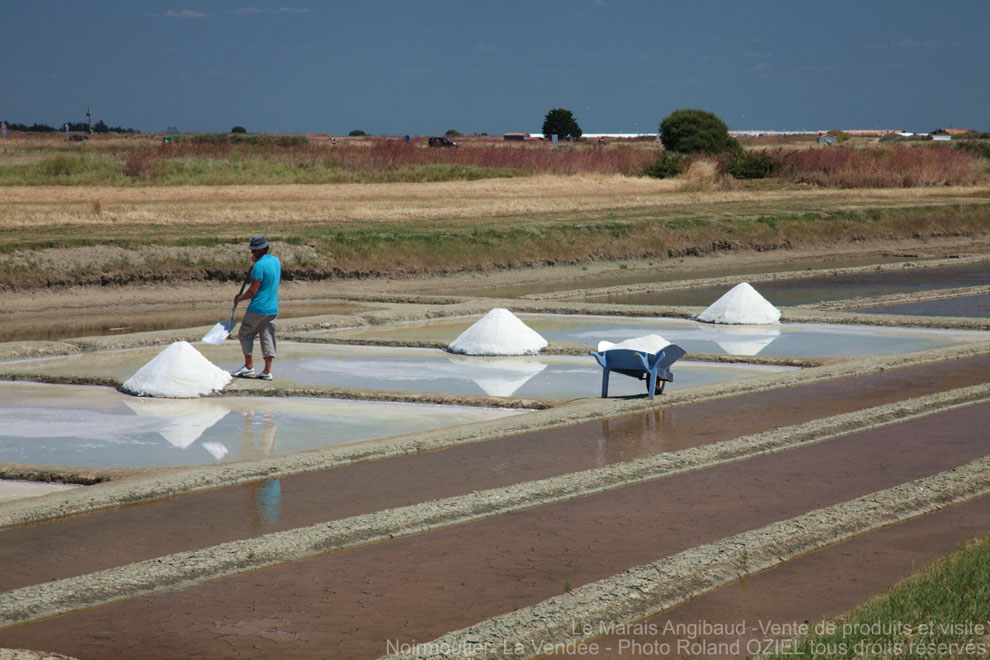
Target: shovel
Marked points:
222	330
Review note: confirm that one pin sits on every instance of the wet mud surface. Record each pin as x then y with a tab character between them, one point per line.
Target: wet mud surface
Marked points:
242	511
760	610
359	599
968	306
119	322
812	290
354	602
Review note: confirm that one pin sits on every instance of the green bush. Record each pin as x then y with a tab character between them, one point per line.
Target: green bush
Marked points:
561	122
259	140
238	129
452	133
667	166
61	166
688	131
270	140
976	145
841	136
201	138
357	133
752	165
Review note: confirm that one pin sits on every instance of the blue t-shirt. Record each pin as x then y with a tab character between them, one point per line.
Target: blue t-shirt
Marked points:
268	271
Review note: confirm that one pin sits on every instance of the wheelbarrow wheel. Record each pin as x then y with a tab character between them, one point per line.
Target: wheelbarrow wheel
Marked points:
659	388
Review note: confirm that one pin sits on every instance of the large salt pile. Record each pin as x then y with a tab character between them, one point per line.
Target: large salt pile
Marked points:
648	344
499	332
180	371
741	305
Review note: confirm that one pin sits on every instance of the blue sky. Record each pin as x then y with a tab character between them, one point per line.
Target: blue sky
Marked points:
421	67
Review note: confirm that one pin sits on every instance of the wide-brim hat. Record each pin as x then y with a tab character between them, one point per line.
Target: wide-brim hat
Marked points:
259	242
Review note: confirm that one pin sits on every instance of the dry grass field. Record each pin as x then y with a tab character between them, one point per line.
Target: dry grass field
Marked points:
378	207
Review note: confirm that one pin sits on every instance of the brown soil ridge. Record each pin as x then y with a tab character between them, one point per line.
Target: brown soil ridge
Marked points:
645	590
151	484
185	568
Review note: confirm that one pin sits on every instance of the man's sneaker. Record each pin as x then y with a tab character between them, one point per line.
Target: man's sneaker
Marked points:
243	372
264	376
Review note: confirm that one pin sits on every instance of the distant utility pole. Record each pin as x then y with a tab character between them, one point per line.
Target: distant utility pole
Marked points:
89	117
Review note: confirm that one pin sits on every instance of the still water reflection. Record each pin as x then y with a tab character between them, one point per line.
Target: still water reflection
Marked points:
94	426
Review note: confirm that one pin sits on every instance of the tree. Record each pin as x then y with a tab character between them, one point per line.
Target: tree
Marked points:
357	133
238	129
687	131
562	123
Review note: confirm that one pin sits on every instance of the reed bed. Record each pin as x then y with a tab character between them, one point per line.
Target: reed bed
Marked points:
223	162
899	166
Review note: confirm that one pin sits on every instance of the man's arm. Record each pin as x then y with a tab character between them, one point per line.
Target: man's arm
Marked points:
250	293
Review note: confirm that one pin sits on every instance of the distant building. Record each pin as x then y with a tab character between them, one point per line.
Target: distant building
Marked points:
952	131
871	132
827	139
516	137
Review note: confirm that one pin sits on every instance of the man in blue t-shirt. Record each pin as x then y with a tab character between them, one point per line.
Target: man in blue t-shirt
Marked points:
259	320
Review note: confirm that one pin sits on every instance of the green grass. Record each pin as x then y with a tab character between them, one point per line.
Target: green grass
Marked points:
401	248
942	611
143	168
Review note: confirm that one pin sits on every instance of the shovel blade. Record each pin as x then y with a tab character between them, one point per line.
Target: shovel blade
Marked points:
219	333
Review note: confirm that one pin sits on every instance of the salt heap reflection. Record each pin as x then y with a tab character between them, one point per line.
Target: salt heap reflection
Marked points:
182	422
740	340
498	376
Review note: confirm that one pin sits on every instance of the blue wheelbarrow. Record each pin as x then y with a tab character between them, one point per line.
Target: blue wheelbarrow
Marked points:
654	368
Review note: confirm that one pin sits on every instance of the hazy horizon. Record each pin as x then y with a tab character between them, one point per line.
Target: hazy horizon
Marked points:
393	68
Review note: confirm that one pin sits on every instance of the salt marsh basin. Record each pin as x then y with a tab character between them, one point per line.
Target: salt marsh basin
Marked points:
799	340
72	425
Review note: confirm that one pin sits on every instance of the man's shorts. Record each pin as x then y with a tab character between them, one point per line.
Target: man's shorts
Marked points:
260	325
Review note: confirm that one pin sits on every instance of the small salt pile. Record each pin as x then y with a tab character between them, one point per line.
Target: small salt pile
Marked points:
180	371
741	305
647	343
499	332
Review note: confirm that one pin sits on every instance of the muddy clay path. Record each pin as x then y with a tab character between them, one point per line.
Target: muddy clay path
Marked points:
357	601
504	538
758	613
227	514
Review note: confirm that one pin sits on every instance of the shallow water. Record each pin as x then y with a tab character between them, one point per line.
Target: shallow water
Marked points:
103	323
430	370
95	426
791	339
818	289
620	277
966	306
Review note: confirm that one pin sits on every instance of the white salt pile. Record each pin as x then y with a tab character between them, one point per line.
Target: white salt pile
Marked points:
647	343
741	305
499	332
180	371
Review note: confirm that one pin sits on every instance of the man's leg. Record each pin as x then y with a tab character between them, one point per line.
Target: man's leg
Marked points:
266	336
246	334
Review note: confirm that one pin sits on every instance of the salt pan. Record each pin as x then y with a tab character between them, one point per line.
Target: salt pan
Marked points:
499	332
180	371
741	305
647	344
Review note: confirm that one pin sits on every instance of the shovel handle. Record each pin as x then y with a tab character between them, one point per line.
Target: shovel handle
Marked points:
243	286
